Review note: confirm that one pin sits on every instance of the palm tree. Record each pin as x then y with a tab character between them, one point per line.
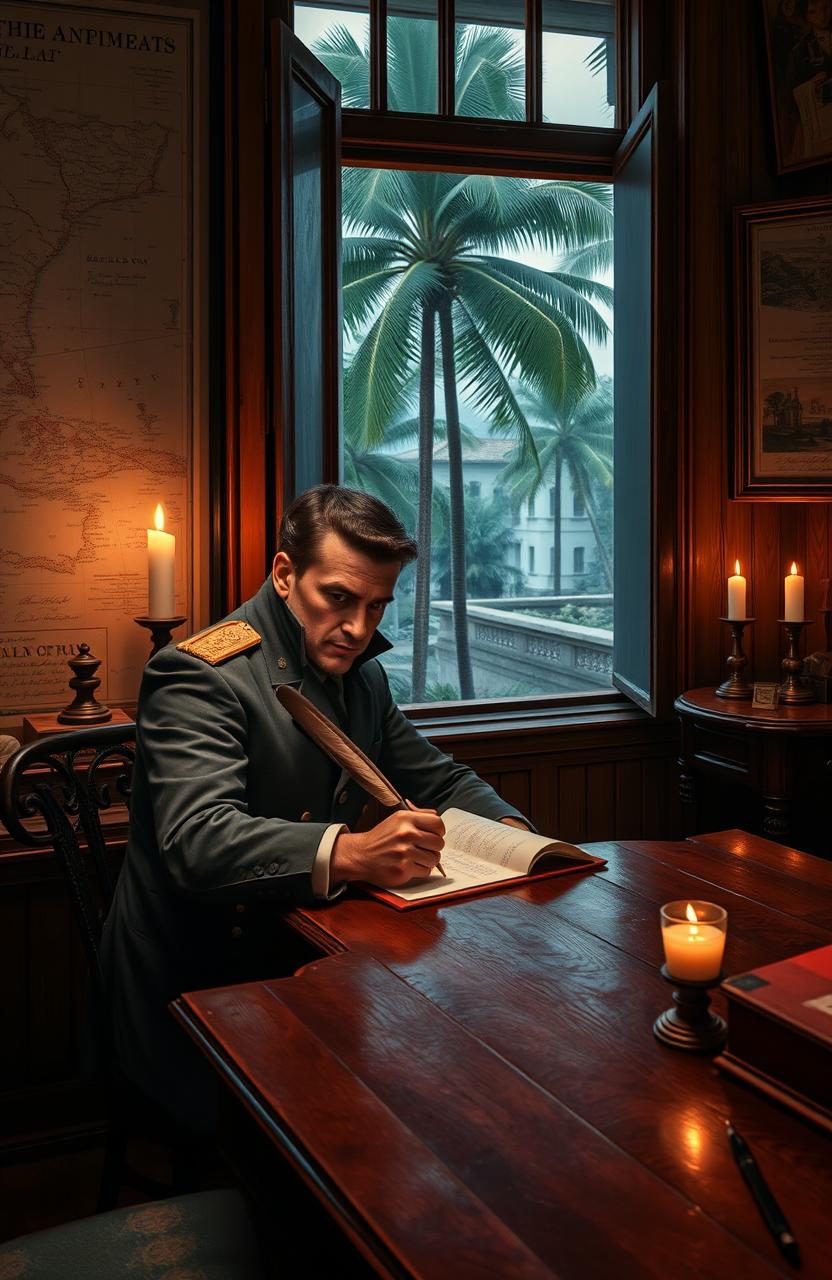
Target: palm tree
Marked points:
425	256
489	535
579	440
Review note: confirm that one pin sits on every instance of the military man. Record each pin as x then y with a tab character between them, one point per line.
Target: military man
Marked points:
236	813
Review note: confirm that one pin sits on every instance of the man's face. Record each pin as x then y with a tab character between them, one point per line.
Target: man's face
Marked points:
340	600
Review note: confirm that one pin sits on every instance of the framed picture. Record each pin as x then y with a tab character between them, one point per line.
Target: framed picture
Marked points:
799	43
783	351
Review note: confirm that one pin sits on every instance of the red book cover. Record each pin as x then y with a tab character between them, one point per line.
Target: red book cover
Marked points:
452	895
797	990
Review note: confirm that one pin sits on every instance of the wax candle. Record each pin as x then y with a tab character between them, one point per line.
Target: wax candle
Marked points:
793	596
693	936
161	550
736	594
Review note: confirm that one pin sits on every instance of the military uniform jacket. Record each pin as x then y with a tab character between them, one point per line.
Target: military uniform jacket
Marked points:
230	801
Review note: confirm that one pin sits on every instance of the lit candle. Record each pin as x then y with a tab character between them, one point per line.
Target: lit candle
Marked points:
794	596
736	594
161	549
693	950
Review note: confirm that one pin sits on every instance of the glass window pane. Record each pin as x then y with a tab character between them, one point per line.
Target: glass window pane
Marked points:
412	56
340	37
490	59
462	305
307	317
579	62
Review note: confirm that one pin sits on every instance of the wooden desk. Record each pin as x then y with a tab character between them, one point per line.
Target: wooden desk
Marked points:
475	1090
782	754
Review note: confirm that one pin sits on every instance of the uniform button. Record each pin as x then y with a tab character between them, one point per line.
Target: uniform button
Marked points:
258	870
239	908
236	932
274	867
344	796
306	816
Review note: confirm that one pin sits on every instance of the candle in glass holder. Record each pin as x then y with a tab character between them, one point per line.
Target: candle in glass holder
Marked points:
161	552
793	586
736	594
693	936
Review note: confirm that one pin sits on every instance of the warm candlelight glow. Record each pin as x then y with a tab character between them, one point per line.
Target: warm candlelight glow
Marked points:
693	939
736	594
793	596
161	556
736	567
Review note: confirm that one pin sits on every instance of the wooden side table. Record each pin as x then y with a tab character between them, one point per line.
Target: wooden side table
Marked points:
783	754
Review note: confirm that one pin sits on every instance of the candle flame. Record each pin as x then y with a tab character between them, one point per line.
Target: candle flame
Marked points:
692	917
794	567
159	517
736	567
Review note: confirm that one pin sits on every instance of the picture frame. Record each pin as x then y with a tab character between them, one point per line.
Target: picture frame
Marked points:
800	81
765	695
782	437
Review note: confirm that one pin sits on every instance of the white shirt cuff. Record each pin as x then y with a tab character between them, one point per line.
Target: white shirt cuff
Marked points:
320	867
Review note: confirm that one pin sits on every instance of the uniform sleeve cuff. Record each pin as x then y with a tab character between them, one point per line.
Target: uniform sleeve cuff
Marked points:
320	867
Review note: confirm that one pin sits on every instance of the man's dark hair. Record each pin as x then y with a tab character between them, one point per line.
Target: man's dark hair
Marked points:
359	518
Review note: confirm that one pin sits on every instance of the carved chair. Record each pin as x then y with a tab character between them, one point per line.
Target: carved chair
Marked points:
52	794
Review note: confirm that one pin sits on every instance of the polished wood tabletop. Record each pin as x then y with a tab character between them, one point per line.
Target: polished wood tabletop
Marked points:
474	1090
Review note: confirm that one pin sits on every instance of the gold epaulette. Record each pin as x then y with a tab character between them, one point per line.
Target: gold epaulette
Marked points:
222	641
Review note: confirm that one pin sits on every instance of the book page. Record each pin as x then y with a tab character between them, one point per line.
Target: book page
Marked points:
462	871
500	844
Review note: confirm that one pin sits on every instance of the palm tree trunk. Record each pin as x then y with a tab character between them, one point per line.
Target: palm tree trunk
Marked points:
557	532
427	409
606	563
459	595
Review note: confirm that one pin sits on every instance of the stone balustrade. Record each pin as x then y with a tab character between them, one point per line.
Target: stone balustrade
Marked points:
514	654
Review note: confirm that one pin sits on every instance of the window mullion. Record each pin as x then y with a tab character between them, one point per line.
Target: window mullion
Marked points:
378	55
534	61
446	24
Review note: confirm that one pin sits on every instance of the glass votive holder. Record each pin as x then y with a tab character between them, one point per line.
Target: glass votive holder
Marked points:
693	937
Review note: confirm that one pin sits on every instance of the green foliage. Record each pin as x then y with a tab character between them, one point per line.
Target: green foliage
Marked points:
489	533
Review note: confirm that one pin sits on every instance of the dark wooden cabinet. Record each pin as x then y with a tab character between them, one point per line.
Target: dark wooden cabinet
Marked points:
766	769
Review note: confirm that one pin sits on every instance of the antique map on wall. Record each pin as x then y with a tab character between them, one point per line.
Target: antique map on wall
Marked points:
96	335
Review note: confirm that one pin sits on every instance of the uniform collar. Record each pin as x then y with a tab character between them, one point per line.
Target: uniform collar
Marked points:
284	646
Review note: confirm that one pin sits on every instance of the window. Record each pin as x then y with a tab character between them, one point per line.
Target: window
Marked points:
577	559
456	353
474	487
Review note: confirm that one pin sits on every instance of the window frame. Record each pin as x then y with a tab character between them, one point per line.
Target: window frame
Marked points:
379	139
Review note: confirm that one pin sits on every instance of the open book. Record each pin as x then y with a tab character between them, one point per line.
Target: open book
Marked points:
481	854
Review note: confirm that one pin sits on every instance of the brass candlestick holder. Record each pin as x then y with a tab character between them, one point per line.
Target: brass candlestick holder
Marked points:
161	630
736	686
794	691
692	1025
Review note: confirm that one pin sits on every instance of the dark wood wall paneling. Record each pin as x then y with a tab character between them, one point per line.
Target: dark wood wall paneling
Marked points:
731	161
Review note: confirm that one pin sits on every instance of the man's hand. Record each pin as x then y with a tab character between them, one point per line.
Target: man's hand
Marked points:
515	822
405	846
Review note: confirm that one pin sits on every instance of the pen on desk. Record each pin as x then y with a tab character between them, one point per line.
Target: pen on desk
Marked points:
772	1214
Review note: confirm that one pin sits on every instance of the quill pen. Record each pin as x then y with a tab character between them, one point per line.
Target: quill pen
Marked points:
342	750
